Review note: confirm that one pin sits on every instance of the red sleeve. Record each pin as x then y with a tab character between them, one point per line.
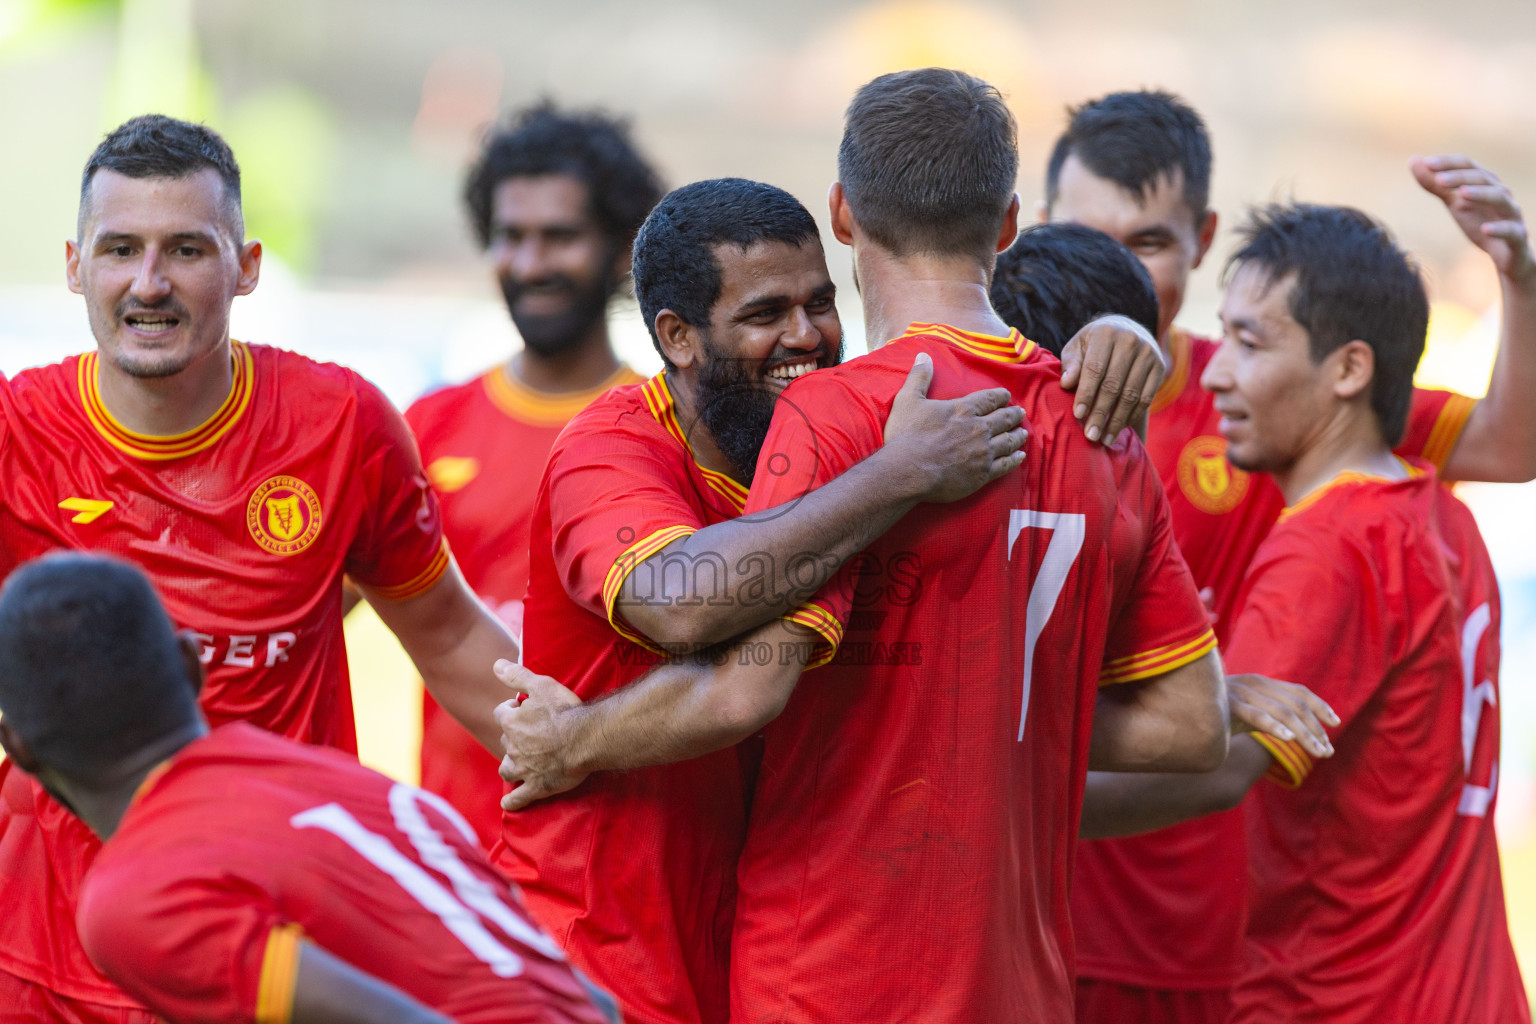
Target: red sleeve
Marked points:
800	455
1162	624
1312	614
191	944
399	549
1435	422
618	493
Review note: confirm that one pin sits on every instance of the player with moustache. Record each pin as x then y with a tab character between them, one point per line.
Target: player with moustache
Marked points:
635	873
1375	886
927	800
1137	166
317	897
245	480
555	199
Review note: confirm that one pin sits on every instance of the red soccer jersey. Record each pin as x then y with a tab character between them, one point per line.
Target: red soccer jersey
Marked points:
198	904
1191	880
484	444
914	821
633	872
1376	893
245	525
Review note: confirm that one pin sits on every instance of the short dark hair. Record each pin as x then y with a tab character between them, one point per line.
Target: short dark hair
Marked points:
1137	139
590	146
1352	282
1057	277
929	162
90	669
675	266
156	146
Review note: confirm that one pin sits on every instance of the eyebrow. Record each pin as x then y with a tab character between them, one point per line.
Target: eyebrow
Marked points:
763	302
113	237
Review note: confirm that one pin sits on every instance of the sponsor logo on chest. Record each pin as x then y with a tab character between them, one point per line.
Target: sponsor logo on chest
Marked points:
1207	479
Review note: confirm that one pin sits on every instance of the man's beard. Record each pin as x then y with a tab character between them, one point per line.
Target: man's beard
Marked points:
150	365
554	333
737	406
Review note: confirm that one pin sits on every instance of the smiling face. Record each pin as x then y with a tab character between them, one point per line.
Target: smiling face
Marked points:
1158	227
555	264
1273	399
775	320
159	261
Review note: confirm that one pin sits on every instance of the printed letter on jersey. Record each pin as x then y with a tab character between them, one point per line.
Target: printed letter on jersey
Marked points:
1208	480
284	515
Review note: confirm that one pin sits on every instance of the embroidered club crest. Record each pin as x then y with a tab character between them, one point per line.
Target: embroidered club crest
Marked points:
283	515
1207	479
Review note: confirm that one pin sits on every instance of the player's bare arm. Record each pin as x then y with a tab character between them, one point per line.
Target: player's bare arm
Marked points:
935	451
328	990
1174	722
1498	442
681	710
452	638
1129	803
1115	367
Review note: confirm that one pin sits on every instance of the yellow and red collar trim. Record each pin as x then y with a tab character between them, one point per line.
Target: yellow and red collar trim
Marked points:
175	446
658	399
1173	385
546	408
1014	348
1345	479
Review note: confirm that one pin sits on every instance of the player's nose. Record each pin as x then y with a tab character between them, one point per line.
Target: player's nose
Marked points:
150	284
1217	375
800	333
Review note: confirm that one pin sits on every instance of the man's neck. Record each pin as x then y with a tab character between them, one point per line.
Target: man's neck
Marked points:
166	406
1349	443
898	291
580	368
102	805
700	441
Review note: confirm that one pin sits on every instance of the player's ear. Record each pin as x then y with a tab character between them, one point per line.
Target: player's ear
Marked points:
842	216
1354	367
1205	235
1010	229
191	659
250	267
72	267
679	341
16	749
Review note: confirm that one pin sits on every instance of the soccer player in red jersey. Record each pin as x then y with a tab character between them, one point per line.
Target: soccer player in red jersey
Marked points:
324	893
1137	166
244	479
915	795
555	198
1376	891
635	872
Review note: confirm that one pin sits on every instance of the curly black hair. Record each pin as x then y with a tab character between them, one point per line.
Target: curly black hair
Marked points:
593	147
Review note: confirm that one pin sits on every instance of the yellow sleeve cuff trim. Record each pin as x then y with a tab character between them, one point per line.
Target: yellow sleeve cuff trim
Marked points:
422	581
1157	661
814	617
625	564
1447	429
279	975
1292	763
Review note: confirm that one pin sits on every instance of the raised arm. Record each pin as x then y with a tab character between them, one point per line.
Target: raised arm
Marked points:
453	640
680	710
1498	442
1174	722
933	451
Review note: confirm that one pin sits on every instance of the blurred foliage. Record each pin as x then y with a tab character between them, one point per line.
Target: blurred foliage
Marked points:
283	138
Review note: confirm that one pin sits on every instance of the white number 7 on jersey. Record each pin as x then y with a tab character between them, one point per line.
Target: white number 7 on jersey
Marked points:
1067	532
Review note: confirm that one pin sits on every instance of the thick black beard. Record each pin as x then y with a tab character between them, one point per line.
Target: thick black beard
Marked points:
560	332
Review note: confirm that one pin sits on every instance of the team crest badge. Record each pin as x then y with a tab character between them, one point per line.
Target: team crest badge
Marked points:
284	515
1208	480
